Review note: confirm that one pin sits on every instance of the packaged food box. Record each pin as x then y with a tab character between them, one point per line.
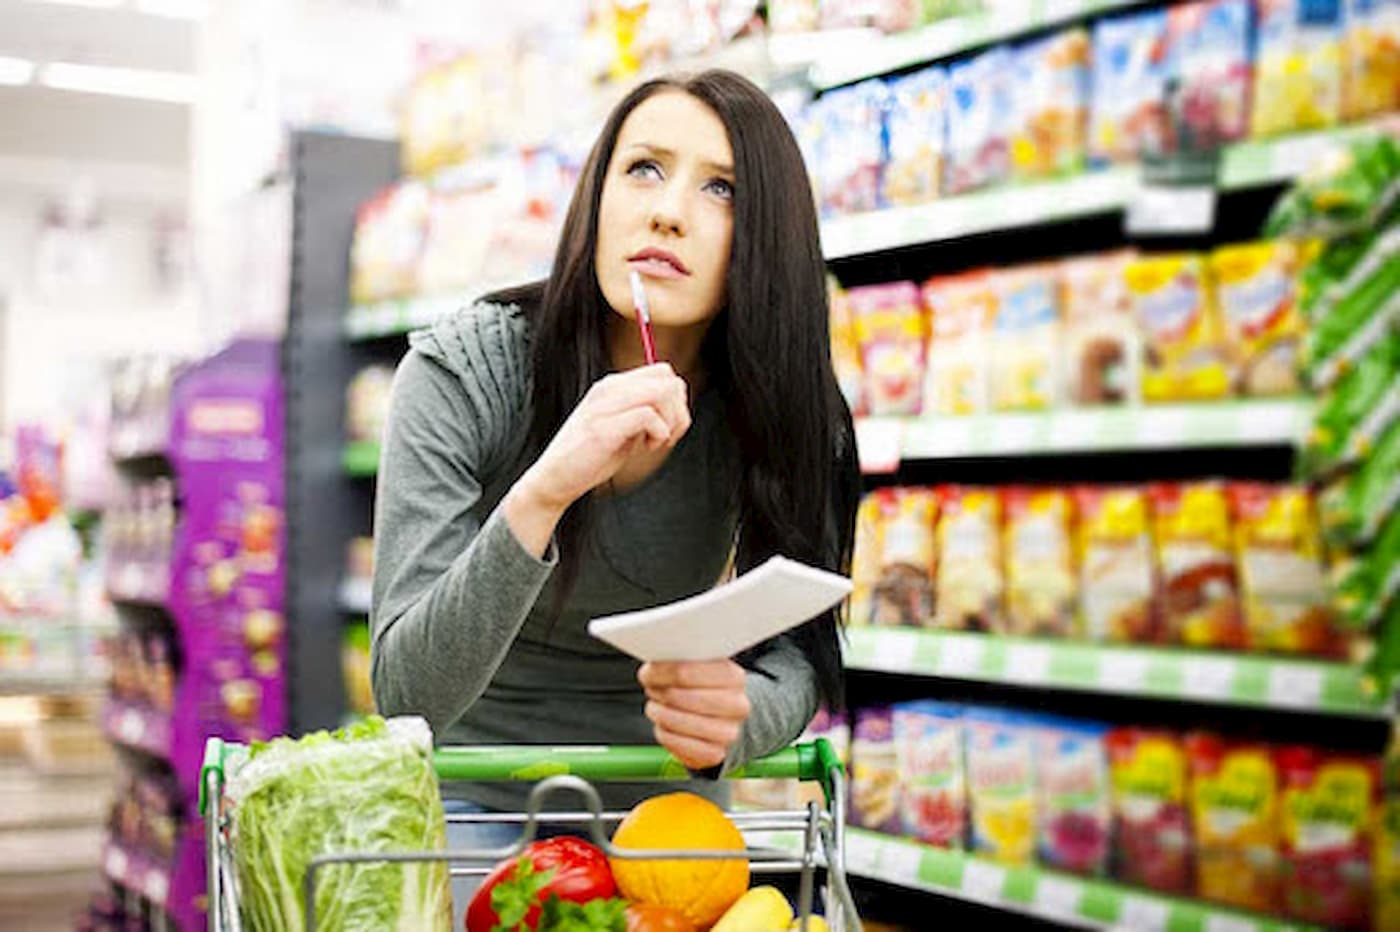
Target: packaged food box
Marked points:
389	233
1025	339
960	309
1117	567
1371	55
1234	813
1051	99
1184	341
970	580
1298	66
979	121
1148	775
1279	552
851	147
1128	99
890	323
1208	50
1103	348
874	771
1254	287
1073	798
845	349
1041	587
908	560
866	553
1200	589
1000	759
918	106
929	745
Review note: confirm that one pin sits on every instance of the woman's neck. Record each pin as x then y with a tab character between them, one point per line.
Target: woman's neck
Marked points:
679	346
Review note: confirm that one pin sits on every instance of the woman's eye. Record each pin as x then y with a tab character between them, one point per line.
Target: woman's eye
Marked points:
644	168
721	188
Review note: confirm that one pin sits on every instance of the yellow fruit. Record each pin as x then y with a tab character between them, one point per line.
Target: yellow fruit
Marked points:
701	890
814	924
762	909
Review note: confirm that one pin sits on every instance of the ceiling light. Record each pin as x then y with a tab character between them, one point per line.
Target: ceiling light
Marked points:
169	86
15	72
175	9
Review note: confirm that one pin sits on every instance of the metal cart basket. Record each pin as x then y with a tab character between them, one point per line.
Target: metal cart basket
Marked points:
779	842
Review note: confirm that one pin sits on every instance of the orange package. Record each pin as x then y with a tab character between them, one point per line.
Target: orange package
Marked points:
1200	591
890	323
1103	350
1234	812
1279	552
1184	341
903	593
1117	568
1041	589
960	310
970	583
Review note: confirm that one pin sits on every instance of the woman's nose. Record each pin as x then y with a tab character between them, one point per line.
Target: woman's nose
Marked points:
667	213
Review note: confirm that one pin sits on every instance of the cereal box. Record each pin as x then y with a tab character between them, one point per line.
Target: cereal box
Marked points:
866	553
851	147
1041	587
1298	66
1073	805
1025	339
1200	591
918	106
1234	812
891	326
1208	54
1279	553
1103	351
1147	773
979	121
904	591
960	309
929	743
1328	810
1127	106
1372	58
845	349
1000	759
1184	341
1051	99
970	584
1117	571
1254	287
874	772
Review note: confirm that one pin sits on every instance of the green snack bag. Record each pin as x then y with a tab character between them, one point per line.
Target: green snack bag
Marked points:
1354	507
1350	188
1357	320
1328	268
1355	412
1384	662
1364	584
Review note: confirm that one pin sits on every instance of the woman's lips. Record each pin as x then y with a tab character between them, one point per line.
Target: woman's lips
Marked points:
656	268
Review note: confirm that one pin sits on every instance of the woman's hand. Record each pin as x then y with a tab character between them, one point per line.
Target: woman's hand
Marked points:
643	408
696	708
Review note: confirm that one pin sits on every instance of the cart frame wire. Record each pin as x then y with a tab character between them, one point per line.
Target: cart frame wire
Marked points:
569	770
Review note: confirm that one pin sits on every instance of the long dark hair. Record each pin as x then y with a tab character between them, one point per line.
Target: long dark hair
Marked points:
768	353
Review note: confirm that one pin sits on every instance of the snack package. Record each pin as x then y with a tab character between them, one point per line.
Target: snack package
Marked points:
1355	411
929	744
1117	570
1354	507
1025	339
960	308
845	349
1147	772
1208	52
1041	586
903	593
1128	100
1200	601
1298	66
852	149
1255	293
970	583
389	233
1050	92
866	554
1185	352
1000	759
1073	800
1341	194
1279	553
874	772
918	106
1102	345
891	325
1364	584
1328	807
979	121
1371	57
1234	812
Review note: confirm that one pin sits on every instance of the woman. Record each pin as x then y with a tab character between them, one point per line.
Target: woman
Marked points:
537	474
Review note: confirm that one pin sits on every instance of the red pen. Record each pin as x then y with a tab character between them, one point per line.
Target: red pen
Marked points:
639	299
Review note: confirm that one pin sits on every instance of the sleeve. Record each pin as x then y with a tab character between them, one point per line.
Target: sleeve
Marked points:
450	592
782	690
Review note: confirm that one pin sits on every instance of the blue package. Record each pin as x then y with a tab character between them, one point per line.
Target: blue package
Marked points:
979	121
915	127
1128	112
1210	64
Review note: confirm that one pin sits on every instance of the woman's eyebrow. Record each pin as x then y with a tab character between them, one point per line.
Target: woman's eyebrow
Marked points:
661	152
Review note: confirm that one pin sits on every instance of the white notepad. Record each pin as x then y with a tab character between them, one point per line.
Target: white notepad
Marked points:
728	619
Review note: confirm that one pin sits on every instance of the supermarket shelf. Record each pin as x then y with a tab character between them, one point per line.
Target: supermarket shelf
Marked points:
137	872
884	442
353	596
137	727
400	315
1288	684
361	458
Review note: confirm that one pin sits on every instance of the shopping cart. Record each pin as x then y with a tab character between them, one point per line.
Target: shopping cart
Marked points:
779	842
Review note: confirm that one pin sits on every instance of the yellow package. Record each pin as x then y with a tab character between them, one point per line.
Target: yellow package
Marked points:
865	556
1184	340
1234	811
1254	287
1297	68
960	310
845	349
903	594
1372	58
1200	588
444	122
1117	576
1041	589
970	582
1025	339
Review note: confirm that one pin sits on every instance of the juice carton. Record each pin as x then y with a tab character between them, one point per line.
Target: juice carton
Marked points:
1073	799
929	744
903	594
1117	571
1208	51
891	326
874	771
845	349
1148	774
1184	340
960	308
1234	811
1025	339
1254	287
1371	57
1328	815
1127	106
1200	591
970	582
1279	553
1298	66
979	121
1000	758
918	107
1051	99
1103	348
1042	592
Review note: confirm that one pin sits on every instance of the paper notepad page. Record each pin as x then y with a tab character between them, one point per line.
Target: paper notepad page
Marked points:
728	619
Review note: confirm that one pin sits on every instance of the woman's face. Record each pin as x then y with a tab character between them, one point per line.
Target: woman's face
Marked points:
667	211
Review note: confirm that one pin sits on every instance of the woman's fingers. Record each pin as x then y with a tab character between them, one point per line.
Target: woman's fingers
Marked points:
700	674
657	386
709	728
724	703
692	752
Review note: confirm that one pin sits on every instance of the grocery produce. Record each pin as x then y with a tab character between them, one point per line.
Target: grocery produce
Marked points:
760	908
566	867
648	917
